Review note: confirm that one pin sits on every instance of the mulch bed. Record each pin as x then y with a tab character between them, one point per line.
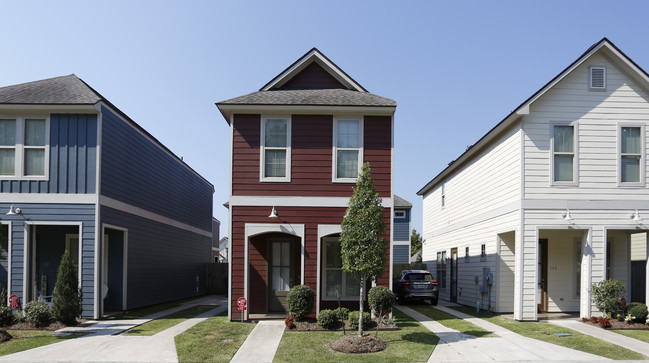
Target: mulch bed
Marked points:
310	324
620	325
352	343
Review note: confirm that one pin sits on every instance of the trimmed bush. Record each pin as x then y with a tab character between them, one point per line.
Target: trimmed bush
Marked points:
300	301
327	319
381	299
342	313
38	314
7	316
638	310
353	320
606	295
66	301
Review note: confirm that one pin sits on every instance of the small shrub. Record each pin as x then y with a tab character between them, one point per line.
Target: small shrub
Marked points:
638	311
593	319
342	313
66	301
7	316
300	301
327	319
606	295
289	322
3	295
604	322
38	314
381	299
353	320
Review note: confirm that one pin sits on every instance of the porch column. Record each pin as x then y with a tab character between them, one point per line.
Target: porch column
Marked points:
518	275
586	273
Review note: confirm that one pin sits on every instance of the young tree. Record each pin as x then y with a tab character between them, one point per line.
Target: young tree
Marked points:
66	302
415	242
361	245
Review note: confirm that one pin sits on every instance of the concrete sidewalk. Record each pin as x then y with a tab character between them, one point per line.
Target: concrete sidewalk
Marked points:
262	343
103	346
606	335
508	346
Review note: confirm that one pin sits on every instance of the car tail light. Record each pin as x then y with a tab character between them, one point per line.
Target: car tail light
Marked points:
406	283
434	283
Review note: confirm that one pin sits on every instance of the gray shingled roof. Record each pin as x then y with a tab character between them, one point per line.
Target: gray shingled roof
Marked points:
69	90
400	202
311	97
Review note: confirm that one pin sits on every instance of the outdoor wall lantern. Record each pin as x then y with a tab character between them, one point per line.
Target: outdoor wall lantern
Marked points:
273	214
566	216
635	216
13	210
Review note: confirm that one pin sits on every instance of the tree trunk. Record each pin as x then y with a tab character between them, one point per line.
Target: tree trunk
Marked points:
360	307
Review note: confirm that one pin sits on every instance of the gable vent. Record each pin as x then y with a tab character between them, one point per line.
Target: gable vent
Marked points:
597	77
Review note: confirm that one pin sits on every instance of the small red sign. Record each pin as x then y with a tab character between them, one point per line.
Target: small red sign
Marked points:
13	301
241	302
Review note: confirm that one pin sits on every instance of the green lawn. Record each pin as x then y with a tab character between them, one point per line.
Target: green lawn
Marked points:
155	326
546	331
413	343
453	322
636	334
28	339
213	340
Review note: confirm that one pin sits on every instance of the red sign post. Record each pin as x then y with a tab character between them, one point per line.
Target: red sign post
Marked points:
13	301
241	302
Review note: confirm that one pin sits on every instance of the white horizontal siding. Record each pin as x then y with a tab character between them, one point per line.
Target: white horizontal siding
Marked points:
506	273
597	114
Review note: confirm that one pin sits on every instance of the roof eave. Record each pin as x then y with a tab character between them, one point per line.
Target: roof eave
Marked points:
47	107
227	110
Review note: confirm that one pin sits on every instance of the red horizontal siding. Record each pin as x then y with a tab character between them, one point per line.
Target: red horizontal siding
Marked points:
311	157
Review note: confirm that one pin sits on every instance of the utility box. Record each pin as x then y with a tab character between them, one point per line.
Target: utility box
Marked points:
487	280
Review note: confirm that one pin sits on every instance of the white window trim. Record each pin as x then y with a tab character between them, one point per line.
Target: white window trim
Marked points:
618	153
324	274
262	149
400	214
334	148
19	169
575	152
590	78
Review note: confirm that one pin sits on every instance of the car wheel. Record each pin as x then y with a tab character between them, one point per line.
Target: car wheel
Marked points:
433	301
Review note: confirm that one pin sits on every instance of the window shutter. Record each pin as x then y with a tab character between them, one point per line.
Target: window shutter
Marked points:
597	77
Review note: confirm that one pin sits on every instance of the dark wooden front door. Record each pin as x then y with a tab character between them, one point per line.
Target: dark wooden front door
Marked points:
543	275
453	274
280	272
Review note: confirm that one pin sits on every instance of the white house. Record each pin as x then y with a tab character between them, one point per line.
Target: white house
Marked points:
552	199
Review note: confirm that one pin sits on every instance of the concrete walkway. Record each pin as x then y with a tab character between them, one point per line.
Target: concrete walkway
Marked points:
262	343
103	346
454	346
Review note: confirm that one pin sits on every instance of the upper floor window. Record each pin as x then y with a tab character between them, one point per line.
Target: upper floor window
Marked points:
348	151
564	158
24	151
443	195
400	214
631	155
276	149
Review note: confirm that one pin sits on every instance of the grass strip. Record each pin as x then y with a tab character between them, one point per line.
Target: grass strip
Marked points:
145	311
642	335
213	340
28	339
413	343
545	332
453	322
155	326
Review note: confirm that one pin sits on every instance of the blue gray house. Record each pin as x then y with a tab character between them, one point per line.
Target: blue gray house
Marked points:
401	236
77	174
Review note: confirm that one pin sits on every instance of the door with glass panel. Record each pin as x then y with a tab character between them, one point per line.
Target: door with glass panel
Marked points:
280	274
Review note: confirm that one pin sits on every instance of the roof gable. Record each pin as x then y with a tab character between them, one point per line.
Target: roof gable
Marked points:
68	90
304	64
312	76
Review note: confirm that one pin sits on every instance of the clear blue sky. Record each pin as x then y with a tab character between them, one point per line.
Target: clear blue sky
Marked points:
455	68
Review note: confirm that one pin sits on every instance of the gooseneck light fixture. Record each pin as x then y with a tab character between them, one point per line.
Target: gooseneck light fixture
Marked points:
566	216
13	210
635	216
273	214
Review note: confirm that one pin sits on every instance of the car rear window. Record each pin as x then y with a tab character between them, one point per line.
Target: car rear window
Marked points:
419	277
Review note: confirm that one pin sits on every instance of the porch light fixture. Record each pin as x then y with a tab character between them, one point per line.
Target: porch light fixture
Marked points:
273	214
13	210
566	216
636	216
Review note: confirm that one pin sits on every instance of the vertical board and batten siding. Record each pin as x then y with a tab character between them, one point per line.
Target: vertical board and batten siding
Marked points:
164	263
73	158
139	172
401	226
76	213
597	114
473	236
311	157
310	217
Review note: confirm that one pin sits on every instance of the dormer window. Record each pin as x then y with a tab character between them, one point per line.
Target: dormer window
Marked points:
597	79
276	149
348	151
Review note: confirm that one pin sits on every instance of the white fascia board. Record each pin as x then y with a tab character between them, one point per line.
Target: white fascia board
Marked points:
26	109
48	198
638	73
229	110
283	201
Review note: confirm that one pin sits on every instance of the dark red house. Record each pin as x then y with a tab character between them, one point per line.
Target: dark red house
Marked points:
297	147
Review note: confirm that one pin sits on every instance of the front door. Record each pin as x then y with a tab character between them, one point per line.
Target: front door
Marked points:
543	275
453	274
279	275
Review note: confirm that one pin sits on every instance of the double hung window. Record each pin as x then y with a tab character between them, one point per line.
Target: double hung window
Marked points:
276	149
337	282
564	157
23	147
348	151
631	164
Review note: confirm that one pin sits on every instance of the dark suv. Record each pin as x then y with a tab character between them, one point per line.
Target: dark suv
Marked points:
416	285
